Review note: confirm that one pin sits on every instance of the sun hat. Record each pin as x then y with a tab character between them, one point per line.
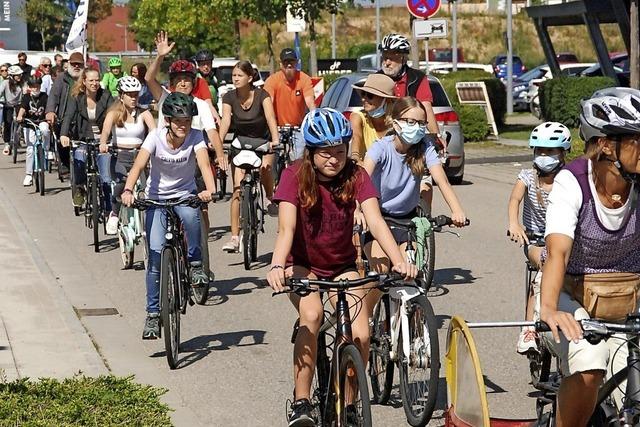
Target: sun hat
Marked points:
378	84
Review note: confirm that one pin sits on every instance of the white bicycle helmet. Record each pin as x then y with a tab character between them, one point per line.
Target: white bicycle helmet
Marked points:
550	135
15	70
396	43
615	113
129	84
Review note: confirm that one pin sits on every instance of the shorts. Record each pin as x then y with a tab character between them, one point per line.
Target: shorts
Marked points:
584	356
323	274
400	235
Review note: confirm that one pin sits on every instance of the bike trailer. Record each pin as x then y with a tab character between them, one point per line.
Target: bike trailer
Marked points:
466	398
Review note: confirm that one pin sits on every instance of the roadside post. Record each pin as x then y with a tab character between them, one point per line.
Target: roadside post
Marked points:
475	93
296	25
454	35
421	29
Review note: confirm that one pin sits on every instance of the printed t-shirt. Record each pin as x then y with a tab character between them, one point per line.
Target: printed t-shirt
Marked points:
399	188
288	98
252	122
171	175
533	212
424	90
34	107
323	238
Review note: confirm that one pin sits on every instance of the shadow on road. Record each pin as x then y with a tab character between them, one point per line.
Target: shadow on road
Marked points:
261	262
221	290
453	276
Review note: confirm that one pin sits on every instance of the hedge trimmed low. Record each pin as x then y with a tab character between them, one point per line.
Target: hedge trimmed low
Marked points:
560	97
80	400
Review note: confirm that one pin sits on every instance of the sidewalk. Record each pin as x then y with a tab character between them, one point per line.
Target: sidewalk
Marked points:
40	334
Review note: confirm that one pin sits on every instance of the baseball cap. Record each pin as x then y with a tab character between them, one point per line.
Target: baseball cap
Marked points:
288	53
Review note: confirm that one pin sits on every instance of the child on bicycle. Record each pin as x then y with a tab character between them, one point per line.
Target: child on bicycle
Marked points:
32	107
550	142
127	126
317	197
173	151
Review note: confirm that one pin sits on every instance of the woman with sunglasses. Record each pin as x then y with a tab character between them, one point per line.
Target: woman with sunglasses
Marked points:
373	121
127	125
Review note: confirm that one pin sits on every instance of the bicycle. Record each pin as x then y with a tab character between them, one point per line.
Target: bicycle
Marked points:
39	156
175	283
283	159
252	211
15	135
336	360
94	212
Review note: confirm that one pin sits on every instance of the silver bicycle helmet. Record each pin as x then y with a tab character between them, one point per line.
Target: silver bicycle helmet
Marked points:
129	84
396	43
610	115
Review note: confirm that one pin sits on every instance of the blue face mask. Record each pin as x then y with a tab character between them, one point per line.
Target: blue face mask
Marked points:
378	112
547	164
411	134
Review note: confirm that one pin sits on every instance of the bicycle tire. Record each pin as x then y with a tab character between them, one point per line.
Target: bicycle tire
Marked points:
201	294
255	226
320	386
170	306
351	361
419	397
246	221
15	143
125	255
143	239
380	364
95	211
428	269
41	167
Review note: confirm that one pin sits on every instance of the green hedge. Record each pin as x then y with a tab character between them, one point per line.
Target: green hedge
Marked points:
82	401
473	119
560	98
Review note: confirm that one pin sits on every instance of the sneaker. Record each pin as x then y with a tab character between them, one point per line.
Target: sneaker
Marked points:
527	341
352	416
233	245
28	180
198	276
151	329
51	155
301	414
272	209
78	197
112	224
7	149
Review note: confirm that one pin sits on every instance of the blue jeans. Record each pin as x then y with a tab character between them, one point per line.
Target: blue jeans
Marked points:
104	169
155	227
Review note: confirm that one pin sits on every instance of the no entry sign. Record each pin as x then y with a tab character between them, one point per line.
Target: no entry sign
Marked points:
423	8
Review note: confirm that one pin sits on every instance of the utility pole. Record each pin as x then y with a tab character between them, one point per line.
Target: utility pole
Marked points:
415	50
377	34
454	35
509	58
333	36
634	66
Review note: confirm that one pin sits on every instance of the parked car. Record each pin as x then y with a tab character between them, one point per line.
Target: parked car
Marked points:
367	63
620	66
531	98
499	64
447	67
444	54
567	58
223	68
341	96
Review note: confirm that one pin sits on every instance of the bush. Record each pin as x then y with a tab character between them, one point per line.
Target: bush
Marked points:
357	50
560	98
106	400
473	121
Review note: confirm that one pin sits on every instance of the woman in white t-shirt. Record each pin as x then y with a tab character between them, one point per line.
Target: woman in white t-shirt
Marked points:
593	221
173	152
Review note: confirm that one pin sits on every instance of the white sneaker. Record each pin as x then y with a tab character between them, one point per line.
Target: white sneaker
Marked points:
233	245
527	340
51	155
28	181
112	225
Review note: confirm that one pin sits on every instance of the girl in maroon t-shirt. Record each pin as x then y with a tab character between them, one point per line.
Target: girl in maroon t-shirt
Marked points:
317	198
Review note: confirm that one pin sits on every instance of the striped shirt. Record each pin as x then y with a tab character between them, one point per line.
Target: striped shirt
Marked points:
533	212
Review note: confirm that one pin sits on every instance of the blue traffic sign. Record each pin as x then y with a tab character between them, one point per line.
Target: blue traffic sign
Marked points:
423	8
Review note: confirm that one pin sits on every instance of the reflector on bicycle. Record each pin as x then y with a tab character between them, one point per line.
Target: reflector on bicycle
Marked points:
247	159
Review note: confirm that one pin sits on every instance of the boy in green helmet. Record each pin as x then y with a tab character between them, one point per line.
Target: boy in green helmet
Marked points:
110	79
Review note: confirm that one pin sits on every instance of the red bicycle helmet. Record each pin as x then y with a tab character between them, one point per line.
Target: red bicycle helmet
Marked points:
182	66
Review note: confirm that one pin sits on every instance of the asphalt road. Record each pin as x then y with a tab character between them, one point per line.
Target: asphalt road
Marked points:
236	356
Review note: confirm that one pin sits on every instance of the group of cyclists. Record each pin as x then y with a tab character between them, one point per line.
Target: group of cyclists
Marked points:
377	165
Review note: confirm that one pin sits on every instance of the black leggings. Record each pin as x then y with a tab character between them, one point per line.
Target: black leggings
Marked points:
7	119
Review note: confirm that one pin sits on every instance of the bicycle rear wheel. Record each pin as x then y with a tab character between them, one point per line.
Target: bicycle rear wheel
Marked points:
419	369
95	211
246	217
126	255
41	168
428	269
201	294
15	140
380	364
170	306
351	366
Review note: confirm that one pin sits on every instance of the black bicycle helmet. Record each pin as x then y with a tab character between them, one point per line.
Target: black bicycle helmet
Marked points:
179	105
34	81
204	55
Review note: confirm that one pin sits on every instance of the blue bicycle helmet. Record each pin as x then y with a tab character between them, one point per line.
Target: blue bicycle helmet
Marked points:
325	127
550	135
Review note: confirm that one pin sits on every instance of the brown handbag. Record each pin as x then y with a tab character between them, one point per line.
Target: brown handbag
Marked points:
608	296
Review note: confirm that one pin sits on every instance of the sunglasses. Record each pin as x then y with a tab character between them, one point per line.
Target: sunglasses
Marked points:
368	95
4	70
77	64
46	65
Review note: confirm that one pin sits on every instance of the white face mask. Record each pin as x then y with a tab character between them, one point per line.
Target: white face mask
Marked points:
547	164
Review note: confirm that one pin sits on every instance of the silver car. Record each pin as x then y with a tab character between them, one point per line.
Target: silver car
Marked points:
341	96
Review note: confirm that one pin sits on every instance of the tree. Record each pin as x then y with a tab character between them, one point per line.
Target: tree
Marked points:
46	17
267	13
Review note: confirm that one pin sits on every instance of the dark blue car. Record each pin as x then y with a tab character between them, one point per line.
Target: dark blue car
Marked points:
499	64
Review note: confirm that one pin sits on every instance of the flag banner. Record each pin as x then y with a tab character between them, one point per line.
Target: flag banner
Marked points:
78	34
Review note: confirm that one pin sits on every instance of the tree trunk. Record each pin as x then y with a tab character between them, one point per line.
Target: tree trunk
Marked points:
236	28
272	61
44	43
313	60
634	66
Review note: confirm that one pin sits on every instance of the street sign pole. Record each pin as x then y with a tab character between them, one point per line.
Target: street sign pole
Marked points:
454	36
377	34
333	36
509	58
415	49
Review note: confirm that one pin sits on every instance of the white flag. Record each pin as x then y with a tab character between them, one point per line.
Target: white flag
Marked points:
78	35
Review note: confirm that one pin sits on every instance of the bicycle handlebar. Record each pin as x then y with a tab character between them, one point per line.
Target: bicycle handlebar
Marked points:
439	221
30	123
193	201
304	286
534	238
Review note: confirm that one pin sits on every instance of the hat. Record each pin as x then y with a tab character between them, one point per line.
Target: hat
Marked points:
288	53
378	84
76	57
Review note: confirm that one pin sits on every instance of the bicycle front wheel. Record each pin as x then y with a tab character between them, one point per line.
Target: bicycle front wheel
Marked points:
170	306
40	171
354	390
420	367
95	211
380	364
201	294
246	217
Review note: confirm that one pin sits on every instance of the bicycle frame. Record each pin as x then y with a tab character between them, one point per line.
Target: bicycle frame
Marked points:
38	143
398	299
175	241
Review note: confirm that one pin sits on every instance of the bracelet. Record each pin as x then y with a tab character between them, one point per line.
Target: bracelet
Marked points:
276	267
126	190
